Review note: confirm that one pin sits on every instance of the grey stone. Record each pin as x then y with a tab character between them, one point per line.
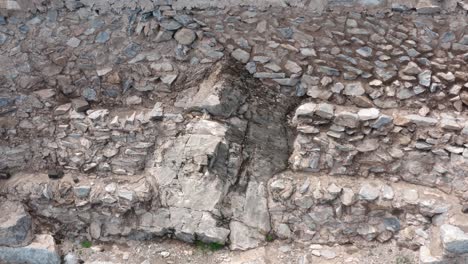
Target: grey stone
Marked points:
421	120
15	225
185	36
74	42
292	67
165	35
348	197
425	256
354	89
183	19
255	207
365	52
102	37
170	24
70	258
412	69
269	75
347	119
41	251
328	71
90	94
337	87
241	55
283	231
447	37
425	78
307	109
287	81
454	240
217	95
368	145
386	75
251	67
3	38
387	192
242	237
286	33
209	232
80	105
325	110
358	31
82	192
369	192
450	124
392	224
308	52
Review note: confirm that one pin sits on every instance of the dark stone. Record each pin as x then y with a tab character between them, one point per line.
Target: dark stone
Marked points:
24	29
287	32
55	173
2	21
90	94
5	101
392	224
465	209
5	175
132	50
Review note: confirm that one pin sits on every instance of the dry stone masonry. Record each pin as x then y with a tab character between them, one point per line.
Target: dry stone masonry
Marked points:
234	124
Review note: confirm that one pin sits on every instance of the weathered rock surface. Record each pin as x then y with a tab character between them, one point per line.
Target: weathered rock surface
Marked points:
42	250
15	225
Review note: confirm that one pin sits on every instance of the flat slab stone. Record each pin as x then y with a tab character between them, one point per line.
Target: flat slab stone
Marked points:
42	250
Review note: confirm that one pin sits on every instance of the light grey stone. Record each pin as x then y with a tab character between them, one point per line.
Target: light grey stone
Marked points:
325	110
368	114
242	237
354	89
369	192
241	55
365	52
454	240
425	78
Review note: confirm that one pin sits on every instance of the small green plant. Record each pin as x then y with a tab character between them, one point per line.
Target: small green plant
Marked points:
86	244
269	238
403	260
208	246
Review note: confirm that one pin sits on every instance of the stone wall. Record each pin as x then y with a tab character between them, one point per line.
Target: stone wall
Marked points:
236	125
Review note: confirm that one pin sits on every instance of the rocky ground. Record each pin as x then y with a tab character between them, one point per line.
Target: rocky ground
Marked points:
168	251
259	135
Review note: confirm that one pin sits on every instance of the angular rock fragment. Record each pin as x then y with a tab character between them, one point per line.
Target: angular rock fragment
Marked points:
454	240
15	225
219	94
